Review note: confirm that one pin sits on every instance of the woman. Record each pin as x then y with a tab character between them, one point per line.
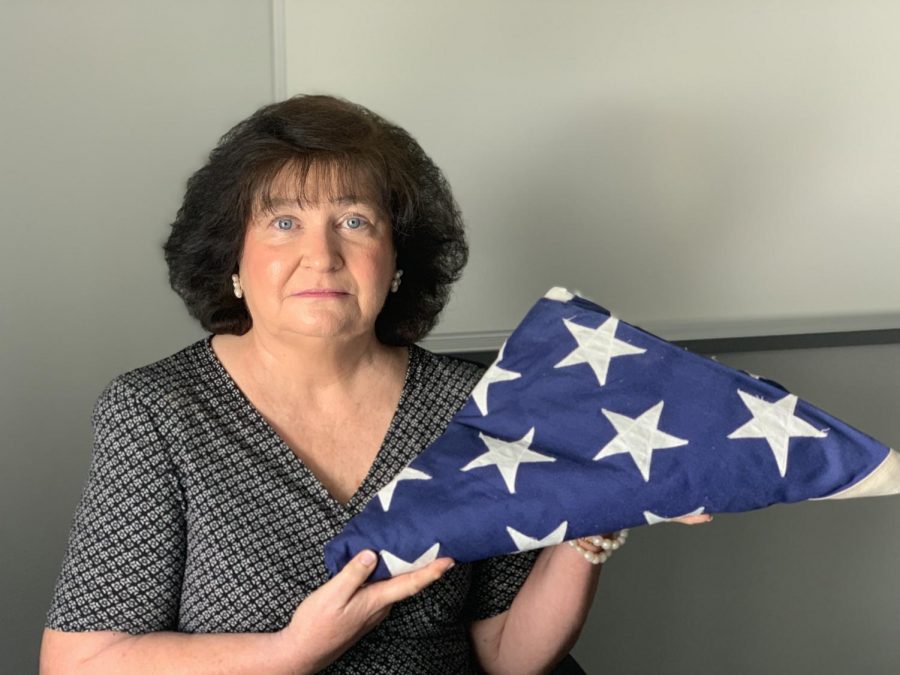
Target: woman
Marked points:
316	246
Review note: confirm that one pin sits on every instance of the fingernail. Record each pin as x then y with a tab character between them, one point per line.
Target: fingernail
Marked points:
367	557
451	564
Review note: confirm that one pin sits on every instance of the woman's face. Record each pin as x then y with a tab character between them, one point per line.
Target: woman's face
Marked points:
320	270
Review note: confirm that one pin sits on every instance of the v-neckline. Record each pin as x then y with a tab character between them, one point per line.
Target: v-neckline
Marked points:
295	463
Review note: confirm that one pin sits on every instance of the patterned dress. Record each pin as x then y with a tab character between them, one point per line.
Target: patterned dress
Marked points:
197	517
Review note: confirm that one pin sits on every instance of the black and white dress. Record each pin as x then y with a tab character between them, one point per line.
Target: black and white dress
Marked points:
197	517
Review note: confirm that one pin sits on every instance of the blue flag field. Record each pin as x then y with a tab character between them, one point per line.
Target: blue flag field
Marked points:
587	424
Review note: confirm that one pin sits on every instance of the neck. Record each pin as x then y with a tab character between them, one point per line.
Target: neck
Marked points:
313	368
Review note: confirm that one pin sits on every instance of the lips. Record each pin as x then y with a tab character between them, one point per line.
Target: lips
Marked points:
321	292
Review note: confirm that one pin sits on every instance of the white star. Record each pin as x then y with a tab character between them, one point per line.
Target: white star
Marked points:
597	347
386	493
776	423
507	457
525	543
493	374
653	519
397	565
639	437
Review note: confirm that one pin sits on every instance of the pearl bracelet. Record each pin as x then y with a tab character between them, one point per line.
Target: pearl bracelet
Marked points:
608	546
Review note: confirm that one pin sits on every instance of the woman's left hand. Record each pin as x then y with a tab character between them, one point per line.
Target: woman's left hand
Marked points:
693	520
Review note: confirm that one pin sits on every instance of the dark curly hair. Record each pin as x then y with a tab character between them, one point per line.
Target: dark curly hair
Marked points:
365	155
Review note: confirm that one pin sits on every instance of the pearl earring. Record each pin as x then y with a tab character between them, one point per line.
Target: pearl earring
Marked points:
238	291
395	282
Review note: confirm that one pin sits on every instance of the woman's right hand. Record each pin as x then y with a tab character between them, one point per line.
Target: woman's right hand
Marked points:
343	609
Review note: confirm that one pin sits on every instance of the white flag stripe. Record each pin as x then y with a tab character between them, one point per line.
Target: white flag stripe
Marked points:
884	480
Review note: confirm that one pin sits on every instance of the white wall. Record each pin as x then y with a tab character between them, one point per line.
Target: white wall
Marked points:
701	168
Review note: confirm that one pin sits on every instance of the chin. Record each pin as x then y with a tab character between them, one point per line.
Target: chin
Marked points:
326	330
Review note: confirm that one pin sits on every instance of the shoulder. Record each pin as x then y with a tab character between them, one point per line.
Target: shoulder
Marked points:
167	384
451	372
441	383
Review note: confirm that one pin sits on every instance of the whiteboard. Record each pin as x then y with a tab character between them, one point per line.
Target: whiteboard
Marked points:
702	169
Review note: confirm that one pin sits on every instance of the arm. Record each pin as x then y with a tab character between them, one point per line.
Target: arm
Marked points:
545	619
547	615
116	603
327	623
170	652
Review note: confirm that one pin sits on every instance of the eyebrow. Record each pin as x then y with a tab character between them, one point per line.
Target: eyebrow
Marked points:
344	199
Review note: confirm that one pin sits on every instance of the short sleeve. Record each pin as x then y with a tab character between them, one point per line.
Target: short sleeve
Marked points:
496	581
124	562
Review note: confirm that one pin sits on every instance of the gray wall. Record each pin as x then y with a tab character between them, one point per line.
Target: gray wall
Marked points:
106	108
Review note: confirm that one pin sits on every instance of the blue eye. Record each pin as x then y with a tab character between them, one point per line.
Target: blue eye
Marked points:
354	222
284	223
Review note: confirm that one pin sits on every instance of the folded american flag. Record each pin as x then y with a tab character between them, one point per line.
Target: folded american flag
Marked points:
586	424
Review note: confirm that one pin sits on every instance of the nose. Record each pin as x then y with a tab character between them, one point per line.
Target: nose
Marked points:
321	250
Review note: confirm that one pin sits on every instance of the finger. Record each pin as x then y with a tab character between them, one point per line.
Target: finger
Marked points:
694	520
404	585
355	572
